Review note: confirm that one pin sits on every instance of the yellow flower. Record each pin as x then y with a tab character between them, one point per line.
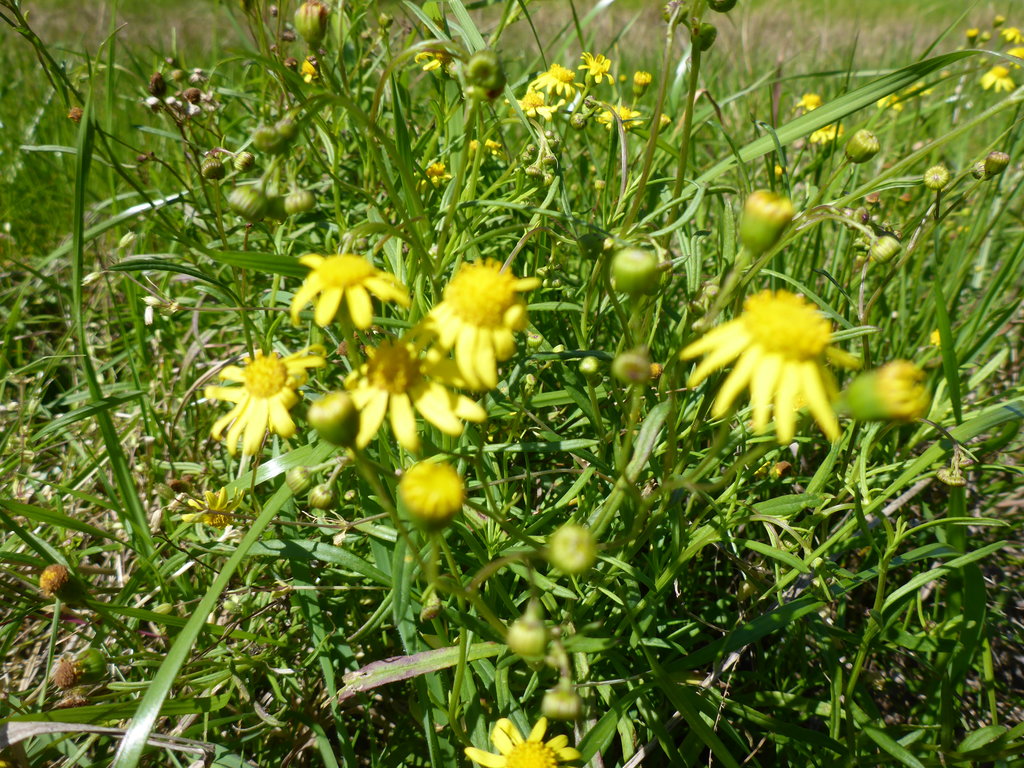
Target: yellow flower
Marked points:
437	173
309	73
557	79
264	399
517	752
493	147
827	134
434	60
477	318
1012	35
808	102
972	34
664	120
433	493
781	342
892	101
597	67
630	117
935	338
533	105
642	79
345	277
998	78
1017	52
394	380
215	509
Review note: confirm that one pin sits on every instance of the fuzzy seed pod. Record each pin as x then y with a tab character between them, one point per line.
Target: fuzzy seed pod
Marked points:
192	95
157	86
66	674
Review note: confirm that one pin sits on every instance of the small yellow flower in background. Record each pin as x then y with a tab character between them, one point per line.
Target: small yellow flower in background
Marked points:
493	147
264	399
781	342
1012	35
998	78
827	134
642	79
895	392
517	752
935	338
215	509
597	67
433	492
557	79
665	120
432	60
347	278
480	313
309	73
533	105
395	380
998	20
808	102
630	117
972	34
1018	52
892	101
778	171
437	173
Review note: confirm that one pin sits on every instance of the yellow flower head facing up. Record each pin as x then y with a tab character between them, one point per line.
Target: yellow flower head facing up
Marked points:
972	34
557	79
345	278
630	117
517	752
215	509
395	380
780	343
309	73
437	173
642	78
597	67
480	313
533	105
998	78
808	102
827	134
432	60
432	492
1012	35
264	399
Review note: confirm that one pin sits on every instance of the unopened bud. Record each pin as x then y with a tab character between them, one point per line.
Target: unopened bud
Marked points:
641	81
562	703
212	168
298	480
706	36
433	493
484	76
635	271
299	201
311	22
323	496
572	549
92	665
335	418
862	146
590	367
528	636
936	178
894	392
884	249
722	6
632	367
765	217
431	604
244	161
248	202
995	163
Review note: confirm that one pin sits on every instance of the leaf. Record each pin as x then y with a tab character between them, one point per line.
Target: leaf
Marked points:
300	549
893	747
265	263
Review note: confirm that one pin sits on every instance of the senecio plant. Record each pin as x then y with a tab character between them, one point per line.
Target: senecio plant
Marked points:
464	386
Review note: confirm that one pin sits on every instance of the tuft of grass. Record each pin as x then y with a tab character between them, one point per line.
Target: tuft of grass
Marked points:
719	597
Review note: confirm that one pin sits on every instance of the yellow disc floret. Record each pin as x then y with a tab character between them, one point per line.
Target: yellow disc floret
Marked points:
786	324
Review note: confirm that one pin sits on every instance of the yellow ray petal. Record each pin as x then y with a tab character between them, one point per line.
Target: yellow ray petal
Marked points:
360	309
729	346
403	422
304	295
785	402
327	306
762	388
738	379
538	730
437	405
280	421
371	415
256	426
817	401
486	759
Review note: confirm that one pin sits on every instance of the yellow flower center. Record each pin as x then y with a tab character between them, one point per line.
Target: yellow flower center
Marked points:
480	294
785	324
531	100
436	170
1000	72
265	376
344	271
531	754
393	368
561	74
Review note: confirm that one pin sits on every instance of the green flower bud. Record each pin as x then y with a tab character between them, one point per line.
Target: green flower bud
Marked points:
995	163
936	178
336	418
534	340
323	496
978	170
884	249
894	392
431	605
572	549
248	202
212	168
267	139
311	22
287	128
275	208
298	480
722	6
632	367
578	121
765	217
485	78
299	201
706	36
590	367
528	636
92	665
635	271
244	161
862	146
951	477
562	703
